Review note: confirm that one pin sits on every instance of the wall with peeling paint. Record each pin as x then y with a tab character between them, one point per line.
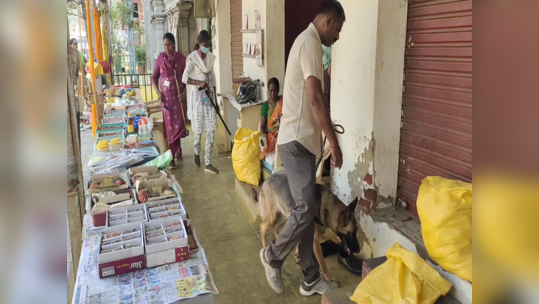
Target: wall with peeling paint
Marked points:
366	95
352	94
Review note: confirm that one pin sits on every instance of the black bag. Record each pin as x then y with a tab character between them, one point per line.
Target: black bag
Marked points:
247	92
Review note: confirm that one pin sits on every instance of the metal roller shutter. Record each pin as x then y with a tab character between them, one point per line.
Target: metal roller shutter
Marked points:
237	40
436	134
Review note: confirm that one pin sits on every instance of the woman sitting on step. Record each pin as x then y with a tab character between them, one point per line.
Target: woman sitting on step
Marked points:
270	119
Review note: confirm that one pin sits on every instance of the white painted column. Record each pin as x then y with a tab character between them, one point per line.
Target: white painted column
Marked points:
221	44
148	35
183	29
366	98
158	22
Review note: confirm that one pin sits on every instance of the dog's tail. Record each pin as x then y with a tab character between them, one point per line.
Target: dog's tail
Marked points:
255	195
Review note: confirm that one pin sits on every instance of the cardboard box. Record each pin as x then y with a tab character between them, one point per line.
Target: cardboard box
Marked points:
166	208
100	219
126	258
114	126
153	173
162	182
121	195
126	215
166	241
100	177
111	120
107	133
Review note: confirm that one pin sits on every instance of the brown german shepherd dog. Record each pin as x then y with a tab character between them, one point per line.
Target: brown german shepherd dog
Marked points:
275	205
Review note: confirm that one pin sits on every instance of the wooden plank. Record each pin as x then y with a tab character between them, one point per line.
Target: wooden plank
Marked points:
75	228
75	197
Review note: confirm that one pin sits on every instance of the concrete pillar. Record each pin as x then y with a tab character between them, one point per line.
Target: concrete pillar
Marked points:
172	26
184	10
183	32
366	98
148	36
158	22
222	50
193	33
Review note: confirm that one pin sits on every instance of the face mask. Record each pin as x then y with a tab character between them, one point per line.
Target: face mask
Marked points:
204	50
327	56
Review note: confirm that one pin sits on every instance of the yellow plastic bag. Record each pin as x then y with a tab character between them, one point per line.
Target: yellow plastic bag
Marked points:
245	156
403	278
445	210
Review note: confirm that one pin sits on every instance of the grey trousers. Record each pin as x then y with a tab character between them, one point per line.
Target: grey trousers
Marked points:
299	165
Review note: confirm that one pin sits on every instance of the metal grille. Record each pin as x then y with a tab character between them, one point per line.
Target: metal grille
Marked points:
141	81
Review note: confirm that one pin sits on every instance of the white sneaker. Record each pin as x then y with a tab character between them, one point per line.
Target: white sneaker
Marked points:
319	286
272	274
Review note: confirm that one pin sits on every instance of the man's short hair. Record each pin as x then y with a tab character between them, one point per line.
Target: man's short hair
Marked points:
332	8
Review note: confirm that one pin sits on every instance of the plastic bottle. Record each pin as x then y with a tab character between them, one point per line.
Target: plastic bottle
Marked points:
130	124
140	129
145	132
137	124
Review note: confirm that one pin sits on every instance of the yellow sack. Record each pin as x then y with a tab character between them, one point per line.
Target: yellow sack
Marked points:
445	210
245	156
403	278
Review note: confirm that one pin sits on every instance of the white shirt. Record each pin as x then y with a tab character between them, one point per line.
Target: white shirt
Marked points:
298	122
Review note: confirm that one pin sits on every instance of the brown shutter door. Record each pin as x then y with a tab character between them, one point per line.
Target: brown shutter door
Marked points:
436	134
237	40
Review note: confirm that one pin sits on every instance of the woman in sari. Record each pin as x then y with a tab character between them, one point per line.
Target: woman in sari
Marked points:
168	67
199	74
271	117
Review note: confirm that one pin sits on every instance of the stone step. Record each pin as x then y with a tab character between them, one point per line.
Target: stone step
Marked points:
343	294
383	227
245	192
266	173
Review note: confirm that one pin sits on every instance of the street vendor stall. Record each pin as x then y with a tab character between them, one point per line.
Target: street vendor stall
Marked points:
168	283
138	242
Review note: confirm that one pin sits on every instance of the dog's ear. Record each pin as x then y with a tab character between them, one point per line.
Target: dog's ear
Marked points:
353	205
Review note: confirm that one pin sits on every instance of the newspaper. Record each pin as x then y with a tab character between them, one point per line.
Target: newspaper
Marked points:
158	285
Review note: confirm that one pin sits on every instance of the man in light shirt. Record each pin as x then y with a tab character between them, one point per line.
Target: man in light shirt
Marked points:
305	116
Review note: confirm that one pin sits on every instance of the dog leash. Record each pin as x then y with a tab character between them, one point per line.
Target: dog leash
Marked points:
339	129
